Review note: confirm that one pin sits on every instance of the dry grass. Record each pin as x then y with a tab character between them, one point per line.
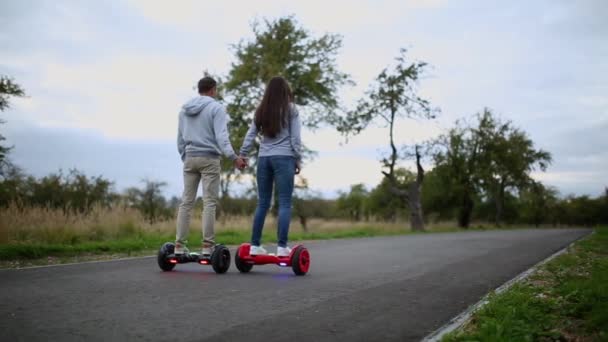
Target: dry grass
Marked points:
48	225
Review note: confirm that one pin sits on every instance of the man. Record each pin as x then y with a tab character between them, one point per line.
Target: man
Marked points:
202	138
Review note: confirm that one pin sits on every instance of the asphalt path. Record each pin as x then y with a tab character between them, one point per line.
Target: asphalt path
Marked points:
397	288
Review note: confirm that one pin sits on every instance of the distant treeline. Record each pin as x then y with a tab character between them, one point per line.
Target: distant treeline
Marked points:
537	205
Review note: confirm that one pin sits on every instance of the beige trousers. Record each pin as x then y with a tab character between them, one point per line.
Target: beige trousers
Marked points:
195	170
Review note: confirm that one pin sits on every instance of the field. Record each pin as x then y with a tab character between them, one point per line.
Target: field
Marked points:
52	235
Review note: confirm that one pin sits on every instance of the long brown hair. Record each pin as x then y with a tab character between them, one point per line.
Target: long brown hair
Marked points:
273	112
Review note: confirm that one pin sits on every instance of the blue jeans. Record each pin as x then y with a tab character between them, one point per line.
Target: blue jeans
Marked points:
279	170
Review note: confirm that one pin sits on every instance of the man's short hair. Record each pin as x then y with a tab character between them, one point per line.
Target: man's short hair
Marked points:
205	84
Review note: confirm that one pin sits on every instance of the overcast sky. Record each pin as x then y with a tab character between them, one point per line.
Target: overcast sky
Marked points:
105	80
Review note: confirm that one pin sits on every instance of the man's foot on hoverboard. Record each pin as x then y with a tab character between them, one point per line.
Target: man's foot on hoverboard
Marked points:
283	251
257	250
180	248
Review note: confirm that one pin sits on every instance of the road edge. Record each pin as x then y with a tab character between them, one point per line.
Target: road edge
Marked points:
78	263
462	318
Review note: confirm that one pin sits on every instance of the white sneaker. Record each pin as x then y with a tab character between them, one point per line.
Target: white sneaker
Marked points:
283	251
180	248
257	250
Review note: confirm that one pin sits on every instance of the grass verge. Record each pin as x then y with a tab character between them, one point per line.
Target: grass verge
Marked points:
18	254
565	300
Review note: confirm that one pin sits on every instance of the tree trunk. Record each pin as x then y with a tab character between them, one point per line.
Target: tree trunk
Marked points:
392	140
466	206
303	220
415	198
416	218
500	202
466	209
412	194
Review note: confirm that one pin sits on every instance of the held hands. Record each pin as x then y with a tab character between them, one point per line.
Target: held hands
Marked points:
298	167
240	163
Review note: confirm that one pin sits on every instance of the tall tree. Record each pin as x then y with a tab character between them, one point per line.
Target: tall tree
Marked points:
457	159
8	88
510	157
283	47
486	159
393	96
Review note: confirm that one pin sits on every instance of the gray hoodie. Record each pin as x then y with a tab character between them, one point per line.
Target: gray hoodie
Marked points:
202	129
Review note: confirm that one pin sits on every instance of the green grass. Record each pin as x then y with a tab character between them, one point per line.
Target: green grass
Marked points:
147	241
565	300
138	241
59	244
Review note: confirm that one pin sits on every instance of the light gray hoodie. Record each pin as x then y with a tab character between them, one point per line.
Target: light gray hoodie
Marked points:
202	129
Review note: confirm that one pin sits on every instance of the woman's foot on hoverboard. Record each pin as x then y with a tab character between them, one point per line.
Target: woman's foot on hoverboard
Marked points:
257	250
283	251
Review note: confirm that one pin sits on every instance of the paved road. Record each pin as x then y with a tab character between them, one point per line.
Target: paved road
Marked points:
376	289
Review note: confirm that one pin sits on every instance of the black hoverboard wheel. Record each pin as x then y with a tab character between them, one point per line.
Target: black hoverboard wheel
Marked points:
163	262
220	259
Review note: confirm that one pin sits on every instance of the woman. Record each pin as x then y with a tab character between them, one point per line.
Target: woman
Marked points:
276	119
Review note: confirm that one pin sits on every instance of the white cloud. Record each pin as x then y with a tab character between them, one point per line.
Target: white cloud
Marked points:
596	101
123	96
232	14
339	173
566	176
574	182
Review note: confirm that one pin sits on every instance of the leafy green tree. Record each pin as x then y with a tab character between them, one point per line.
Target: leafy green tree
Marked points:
436	201
486	160
352	204
8	88
393	96
510	157
581	210
283	47
457	158
14	187
382	203
73	191
536	204
149	200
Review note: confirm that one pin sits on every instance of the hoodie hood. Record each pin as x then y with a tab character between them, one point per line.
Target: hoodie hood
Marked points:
196	105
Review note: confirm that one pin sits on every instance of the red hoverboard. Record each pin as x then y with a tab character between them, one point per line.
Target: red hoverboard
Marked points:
298	259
